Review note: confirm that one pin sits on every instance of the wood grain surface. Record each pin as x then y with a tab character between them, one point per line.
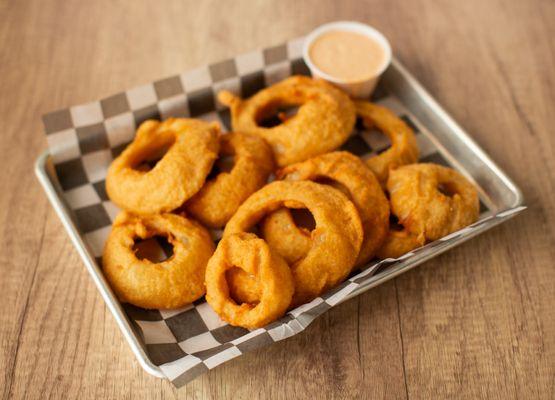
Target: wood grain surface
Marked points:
477	322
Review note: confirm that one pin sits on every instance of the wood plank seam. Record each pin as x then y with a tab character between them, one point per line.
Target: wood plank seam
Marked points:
8	388
358	339
401	337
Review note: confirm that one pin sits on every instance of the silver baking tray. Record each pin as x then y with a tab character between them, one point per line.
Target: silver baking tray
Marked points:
497	191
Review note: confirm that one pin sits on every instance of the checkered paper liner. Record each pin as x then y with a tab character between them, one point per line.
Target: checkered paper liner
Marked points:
84	139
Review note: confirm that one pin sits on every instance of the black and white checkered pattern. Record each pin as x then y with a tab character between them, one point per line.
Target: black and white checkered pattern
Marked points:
84	139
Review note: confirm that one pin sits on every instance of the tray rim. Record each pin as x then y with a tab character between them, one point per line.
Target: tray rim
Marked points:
55	197
113	304
460	132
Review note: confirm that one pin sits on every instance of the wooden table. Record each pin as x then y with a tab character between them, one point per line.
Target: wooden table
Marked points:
478	322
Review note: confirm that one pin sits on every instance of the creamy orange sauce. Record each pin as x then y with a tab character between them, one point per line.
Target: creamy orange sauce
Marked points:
348	56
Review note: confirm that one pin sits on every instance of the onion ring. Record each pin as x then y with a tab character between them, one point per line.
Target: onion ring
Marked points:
172	283
430	201
399	242
403	150
335	241
252	255
220	197
180	173
243	288
285	236
324	120
349	174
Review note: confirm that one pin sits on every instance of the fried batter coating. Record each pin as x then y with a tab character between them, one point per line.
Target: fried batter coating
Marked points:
403	150
347	173
430	201
324	120
192	146
335	241
273	276
172	283
220	197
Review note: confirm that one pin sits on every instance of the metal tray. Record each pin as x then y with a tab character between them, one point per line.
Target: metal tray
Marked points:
496	189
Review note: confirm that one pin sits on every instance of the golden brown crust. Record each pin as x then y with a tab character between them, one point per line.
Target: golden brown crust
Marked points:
422	208
172	283
336	239
254	257
324	120
398	243
220	197
283	235
403	150
348	173
243	288
193	147
425	212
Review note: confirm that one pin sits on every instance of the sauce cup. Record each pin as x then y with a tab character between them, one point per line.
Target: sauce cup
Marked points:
361	89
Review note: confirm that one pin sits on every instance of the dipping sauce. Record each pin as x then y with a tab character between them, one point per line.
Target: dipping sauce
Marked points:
348	56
